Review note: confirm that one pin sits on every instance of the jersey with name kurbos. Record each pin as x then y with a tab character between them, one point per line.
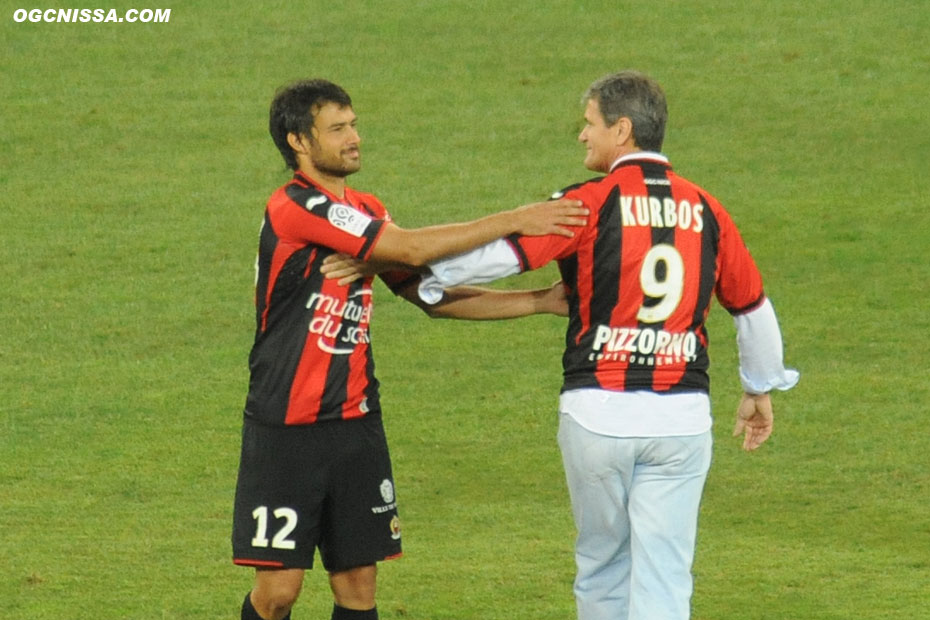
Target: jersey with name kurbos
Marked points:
641	276
311	360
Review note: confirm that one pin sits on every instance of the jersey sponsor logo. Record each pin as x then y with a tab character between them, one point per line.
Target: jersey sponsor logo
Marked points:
643	345
348	219
340	324
661	213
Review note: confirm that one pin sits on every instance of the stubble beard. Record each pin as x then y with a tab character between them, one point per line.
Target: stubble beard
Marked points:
334	167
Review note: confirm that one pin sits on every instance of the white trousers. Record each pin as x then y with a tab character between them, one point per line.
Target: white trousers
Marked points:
635	502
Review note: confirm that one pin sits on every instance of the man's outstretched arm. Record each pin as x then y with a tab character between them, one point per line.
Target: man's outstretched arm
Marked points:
418	246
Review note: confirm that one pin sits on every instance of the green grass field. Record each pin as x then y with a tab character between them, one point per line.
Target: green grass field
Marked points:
134	166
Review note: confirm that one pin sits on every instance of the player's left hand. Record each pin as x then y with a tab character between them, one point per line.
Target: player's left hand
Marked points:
346	268
552	217
755	418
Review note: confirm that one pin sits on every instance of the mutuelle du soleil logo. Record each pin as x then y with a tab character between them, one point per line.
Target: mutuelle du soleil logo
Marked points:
339	324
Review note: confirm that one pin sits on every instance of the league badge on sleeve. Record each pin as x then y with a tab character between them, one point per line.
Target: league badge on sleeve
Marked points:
348	219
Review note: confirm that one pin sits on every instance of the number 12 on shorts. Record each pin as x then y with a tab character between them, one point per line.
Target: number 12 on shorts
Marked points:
280	539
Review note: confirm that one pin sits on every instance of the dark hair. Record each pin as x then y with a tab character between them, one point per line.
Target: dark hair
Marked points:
637	97
292	111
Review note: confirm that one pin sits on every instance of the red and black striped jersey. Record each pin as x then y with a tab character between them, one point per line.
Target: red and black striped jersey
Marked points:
311	360
641	276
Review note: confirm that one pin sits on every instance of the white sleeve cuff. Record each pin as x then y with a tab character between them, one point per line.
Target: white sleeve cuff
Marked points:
489	262
761	364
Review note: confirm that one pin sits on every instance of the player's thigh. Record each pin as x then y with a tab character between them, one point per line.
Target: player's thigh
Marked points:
666	496
669	477
280	494
598	469
361	524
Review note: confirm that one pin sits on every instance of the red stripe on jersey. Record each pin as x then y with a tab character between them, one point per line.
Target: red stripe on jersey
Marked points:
583	288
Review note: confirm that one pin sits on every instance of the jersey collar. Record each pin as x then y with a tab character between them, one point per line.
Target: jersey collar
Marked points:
304	177
652	156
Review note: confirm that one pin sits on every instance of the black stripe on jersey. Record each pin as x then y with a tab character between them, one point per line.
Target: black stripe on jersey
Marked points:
372	397
605	285
289	279
755	304
514	241
370	237
568	267
710	243
310	198
268	242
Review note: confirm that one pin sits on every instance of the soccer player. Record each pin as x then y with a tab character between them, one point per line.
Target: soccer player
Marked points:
635	421
315	470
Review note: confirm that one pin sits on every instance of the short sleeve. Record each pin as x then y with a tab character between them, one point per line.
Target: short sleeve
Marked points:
309	216
536	252
739	283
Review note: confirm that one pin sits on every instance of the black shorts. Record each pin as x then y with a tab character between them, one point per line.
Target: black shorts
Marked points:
327	485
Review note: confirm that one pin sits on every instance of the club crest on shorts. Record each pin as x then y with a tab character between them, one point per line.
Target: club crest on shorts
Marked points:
395	528
387	491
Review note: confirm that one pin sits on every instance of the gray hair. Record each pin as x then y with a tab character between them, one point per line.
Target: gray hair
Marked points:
636	96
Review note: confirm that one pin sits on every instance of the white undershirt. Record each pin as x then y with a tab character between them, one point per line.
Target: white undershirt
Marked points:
638	414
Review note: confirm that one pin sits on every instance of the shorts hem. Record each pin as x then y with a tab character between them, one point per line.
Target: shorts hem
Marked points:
351	565
259	563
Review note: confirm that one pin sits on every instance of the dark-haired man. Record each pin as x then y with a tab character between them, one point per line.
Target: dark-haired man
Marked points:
314	470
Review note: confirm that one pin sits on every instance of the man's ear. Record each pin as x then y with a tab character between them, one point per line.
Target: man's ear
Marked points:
624	128
299	143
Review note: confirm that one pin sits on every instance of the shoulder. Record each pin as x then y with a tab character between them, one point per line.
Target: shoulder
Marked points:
577	188
693	188
296	193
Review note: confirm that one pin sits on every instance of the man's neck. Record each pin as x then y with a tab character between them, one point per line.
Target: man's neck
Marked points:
638	154
332	184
